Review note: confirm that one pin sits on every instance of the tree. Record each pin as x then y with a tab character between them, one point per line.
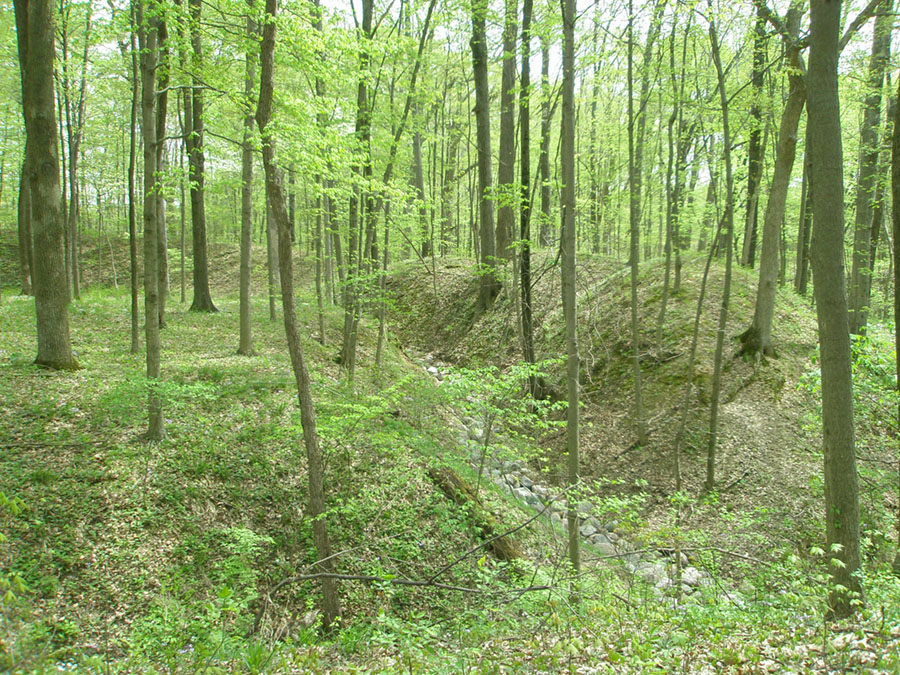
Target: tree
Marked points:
758	338
827	258
869	151
331	608
489	286
568	248
148	21
245	345
507	151
193	122
36	48
709	483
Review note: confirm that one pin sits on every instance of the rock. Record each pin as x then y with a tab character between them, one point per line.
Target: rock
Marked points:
652	573
612	536
527	482
611	525
604	548
587	530
555	518
432	371
600	538
540	490
515	466
527	496
691	576
584	508
440	376
429	358
468	421
476	433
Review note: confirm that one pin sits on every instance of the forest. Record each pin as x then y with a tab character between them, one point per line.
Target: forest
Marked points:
475	336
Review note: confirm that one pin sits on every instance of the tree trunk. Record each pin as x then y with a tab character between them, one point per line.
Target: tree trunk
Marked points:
148	22
490	286
709	483
26	258
245	345
567	249
34	34
544	156
804	227
869	151
162	105
827	257
506	172
330	604
758	338
132	187
634	191
755	149
895	231
202	301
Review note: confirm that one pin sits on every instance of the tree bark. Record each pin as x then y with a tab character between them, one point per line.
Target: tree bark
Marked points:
869	151
245	344
567	249
758	338
489	286
34	34
506	174
194	120
755	148
26	258
330	603
827	258
132	186
709	483
148	23
544	236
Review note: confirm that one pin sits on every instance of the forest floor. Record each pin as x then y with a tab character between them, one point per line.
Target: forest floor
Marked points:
121	556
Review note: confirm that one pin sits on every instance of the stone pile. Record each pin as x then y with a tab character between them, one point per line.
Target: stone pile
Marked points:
603	539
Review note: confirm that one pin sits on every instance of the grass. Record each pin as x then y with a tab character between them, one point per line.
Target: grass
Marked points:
162	558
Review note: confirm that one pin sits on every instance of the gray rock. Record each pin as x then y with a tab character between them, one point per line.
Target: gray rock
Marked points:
527	482
612	536
604	548
691	576
476	433
584	508
433	371
587	530
555	518
600	538
611	525
652	573
540	490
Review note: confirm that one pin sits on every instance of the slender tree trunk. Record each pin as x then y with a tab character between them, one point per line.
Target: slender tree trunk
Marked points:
148	22
202	301
709	483
869	151
803	228
330	603
272	265
895	231
827	258
26	266
758	338
162	106
568	248
634	183
490	285
755	149
535	387
245	345
544	156
506	172
34	35
132	187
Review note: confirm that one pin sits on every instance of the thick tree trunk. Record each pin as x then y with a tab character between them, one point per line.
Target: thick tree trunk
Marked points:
148	22
869	151
567	249
34	34
331	608
202	301
490	286
827	257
